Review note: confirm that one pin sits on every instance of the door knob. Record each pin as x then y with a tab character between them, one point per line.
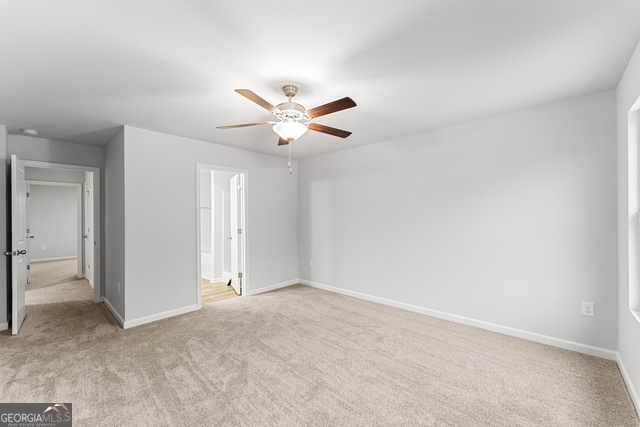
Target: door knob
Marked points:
15	253
84	236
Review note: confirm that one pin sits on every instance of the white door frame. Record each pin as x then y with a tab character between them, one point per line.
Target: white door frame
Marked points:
98	294
243	224
235	230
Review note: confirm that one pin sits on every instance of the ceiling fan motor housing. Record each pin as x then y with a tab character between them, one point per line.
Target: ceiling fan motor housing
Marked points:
292	111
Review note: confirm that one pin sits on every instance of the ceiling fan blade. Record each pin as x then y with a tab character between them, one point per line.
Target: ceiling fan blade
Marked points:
283	141
244	125
331	107
331	131
255	98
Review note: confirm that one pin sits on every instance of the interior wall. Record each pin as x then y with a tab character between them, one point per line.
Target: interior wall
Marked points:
51	151
508	221
628	92
32	173
160	248
114	221
53	221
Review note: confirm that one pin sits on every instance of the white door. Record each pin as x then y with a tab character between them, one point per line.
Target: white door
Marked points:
235	228
87	231
18	249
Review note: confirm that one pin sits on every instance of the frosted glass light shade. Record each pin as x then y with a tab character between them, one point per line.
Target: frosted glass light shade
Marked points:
289	130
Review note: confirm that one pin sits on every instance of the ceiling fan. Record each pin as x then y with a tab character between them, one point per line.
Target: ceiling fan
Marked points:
294	119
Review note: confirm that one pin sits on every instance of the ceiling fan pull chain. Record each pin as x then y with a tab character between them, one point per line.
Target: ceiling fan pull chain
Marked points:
289	162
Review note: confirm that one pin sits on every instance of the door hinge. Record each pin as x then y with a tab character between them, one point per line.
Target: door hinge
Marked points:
239	275
28	195
239	230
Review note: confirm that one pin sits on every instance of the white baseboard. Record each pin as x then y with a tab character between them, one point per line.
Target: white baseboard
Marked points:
505	330
113	311
633	393
62	258
4	326
271	287
155	317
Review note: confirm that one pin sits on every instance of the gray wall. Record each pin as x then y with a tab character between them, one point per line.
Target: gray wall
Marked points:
32	173
115	226
160	213
508	221
628	244
53	221
46	150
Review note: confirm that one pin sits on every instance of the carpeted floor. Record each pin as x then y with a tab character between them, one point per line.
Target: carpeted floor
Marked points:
300	356
52	273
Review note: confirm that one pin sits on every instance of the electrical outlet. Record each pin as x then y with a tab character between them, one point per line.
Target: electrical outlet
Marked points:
326	265
118	287
588	309
311	263
43	247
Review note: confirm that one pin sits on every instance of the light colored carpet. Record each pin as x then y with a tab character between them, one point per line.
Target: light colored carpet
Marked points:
56	282
51	273
300	356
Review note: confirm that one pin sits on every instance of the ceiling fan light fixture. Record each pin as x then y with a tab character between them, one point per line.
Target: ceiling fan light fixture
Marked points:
289	131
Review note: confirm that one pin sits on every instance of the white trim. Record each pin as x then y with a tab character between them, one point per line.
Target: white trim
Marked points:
155	317
113	311
60	258
505	330
4	326
633	393
272	287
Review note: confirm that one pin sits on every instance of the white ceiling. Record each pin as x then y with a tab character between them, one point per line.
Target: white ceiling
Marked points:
75	70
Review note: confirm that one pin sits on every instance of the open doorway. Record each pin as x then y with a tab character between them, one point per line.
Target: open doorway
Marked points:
221	233
88	226
56	258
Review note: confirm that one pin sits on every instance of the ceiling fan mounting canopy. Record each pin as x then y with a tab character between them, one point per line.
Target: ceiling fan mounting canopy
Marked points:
291	115
290	91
